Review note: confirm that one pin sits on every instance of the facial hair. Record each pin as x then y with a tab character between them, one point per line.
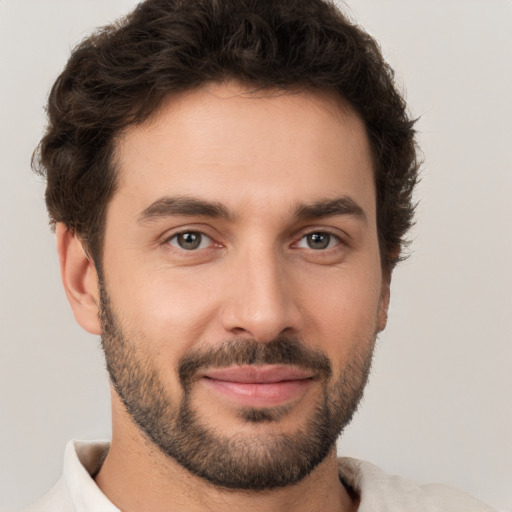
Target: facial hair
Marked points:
245	461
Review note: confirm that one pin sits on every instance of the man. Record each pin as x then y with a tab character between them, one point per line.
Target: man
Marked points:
231	186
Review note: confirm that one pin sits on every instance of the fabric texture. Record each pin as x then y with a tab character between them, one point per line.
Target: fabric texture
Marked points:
76	491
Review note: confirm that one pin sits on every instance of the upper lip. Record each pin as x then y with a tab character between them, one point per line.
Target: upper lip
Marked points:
265	374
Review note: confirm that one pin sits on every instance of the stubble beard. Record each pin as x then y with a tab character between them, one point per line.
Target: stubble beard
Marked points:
240	461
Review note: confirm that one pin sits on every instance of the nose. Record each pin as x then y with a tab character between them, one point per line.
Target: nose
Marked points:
261	303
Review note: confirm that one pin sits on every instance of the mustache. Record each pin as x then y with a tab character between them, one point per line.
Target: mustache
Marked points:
241	352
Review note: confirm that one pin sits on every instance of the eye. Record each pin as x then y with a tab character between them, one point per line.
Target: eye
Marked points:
318	241
190	240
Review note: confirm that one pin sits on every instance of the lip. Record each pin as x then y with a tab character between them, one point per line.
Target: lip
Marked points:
258	386
264	374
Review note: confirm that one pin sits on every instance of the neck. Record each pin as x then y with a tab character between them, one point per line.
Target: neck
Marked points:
137	476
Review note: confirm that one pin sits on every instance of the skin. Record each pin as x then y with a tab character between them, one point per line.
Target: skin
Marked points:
261	156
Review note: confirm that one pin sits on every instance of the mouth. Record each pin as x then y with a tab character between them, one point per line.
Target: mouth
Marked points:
258	386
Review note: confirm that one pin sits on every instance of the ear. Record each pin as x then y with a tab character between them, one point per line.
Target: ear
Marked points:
384	302
79	278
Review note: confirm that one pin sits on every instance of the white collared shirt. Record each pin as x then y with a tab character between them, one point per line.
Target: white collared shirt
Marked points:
76	491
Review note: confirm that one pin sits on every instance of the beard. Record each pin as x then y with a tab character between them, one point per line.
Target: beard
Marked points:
256	461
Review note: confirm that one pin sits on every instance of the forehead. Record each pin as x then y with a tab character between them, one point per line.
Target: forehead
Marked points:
228	143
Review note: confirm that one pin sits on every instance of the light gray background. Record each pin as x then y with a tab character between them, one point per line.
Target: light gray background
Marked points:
438	407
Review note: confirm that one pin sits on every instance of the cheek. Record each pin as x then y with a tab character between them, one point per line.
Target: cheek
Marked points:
168	310
343	313
340	311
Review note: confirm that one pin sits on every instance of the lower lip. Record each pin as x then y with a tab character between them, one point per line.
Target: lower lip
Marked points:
259	395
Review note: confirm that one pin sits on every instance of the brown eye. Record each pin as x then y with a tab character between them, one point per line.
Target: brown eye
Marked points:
190	240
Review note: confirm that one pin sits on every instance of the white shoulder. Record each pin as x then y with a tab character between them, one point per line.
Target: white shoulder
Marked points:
55	500
381	492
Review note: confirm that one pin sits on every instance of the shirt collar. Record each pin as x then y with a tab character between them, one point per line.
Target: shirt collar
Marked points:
81	460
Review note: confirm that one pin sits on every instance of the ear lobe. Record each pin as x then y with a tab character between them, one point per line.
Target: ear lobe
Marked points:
384	304
79	278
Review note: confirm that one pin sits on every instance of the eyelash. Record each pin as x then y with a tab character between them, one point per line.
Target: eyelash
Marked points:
331	238
176	236
202	236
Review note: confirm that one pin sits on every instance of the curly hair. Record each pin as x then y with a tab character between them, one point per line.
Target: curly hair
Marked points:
122	72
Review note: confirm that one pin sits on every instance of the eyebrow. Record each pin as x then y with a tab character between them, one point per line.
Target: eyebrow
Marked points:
182	205
325	208
190	206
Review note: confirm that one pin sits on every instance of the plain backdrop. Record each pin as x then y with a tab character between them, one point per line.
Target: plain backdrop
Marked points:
438	406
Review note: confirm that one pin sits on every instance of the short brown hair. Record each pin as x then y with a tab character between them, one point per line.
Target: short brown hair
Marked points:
121	74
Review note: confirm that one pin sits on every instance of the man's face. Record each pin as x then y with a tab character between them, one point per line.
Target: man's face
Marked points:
242	288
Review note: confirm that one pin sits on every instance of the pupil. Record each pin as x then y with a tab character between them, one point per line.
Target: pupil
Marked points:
318	241
189	240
